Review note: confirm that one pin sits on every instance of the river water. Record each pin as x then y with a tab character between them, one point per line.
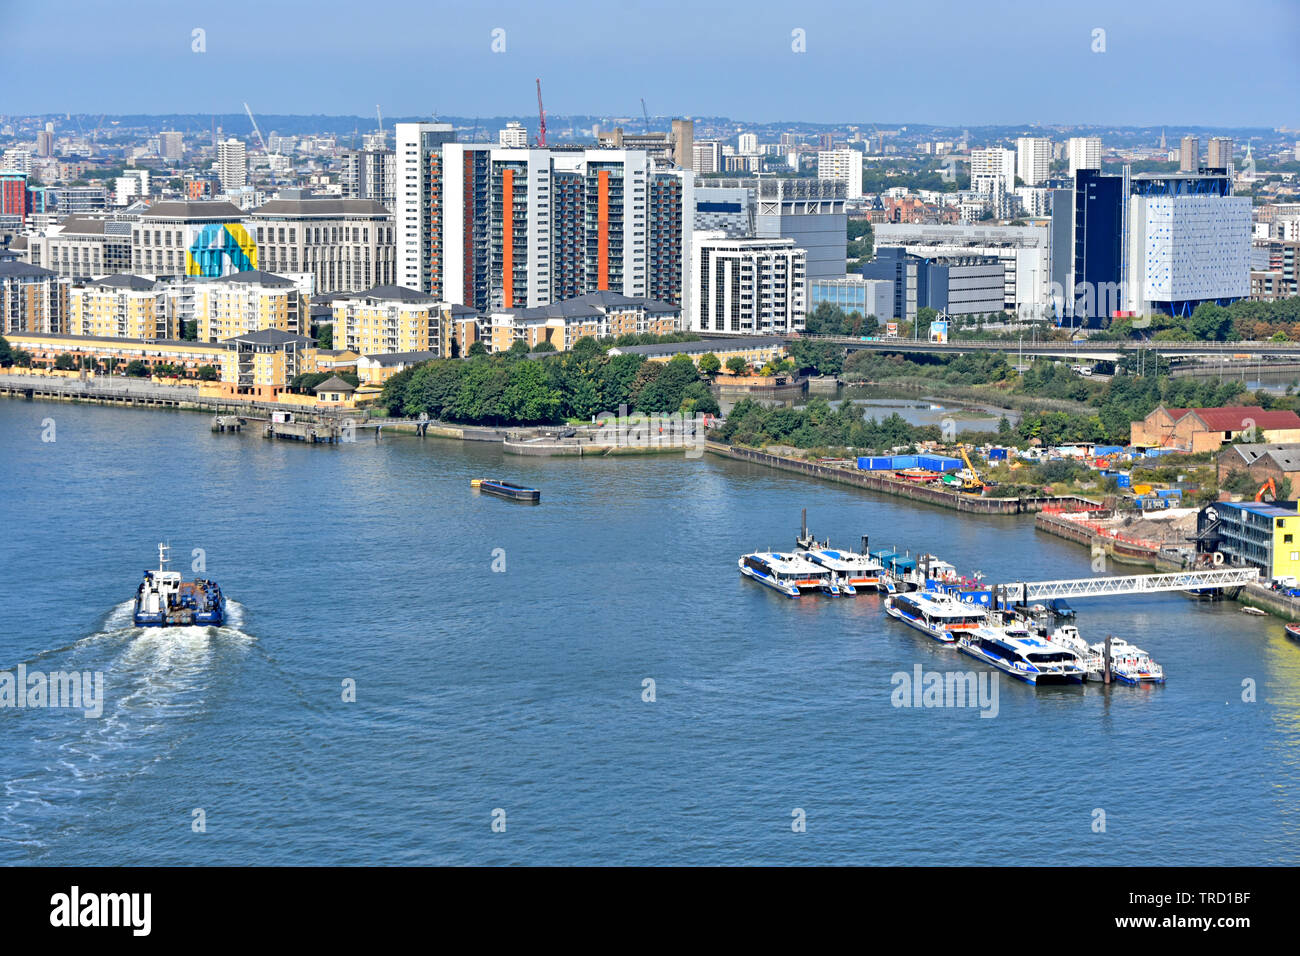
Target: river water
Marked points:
518	695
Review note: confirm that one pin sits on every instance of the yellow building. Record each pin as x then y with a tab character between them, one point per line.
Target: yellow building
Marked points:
248	302
461	328
32	299
596	314
113	353
388	318
1263	535
260	365
377	369
122	306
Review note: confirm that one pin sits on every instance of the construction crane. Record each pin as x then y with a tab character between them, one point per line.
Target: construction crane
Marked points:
1271	487
380	116
646	114
974	482
261	142
541	116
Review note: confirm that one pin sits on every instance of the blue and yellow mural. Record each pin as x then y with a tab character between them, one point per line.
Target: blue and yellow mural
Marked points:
220	249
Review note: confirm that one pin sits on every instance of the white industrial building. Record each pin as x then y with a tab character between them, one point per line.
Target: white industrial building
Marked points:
1024	251
747	286
1187	248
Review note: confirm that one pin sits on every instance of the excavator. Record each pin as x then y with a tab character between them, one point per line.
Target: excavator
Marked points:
1271	487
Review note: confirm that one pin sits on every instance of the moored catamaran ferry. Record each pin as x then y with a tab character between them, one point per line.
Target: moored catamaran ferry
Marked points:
164	600
1012	649
853	572
791	574
939	615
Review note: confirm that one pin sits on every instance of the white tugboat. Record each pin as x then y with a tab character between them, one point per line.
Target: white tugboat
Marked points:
164	600
1129	664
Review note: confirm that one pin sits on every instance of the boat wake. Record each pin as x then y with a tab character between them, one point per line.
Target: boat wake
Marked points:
157	684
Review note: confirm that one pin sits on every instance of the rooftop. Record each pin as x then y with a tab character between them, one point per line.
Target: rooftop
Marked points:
400	358
730	344
124	281
271	337
324	206
194	209
334	384
398	292
22	270
1238	417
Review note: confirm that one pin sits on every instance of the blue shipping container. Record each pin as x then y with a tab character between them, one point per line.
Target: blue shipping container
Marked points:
906	461
997	454
876	464
939	463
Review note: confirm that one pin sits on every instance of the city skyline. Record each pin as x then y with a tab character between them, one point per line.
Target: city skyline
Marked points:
1025	64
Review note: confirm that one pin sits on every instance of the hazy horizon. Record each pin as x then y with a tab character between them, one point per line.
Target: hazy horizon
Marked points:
942	63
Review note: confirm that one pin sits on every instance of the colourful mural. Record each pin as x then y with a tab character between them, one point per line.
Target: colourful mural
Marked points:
219	249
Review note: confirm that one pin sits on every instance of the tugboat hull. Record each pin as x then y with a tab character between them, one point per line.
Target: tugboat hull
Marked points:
164	600
504	489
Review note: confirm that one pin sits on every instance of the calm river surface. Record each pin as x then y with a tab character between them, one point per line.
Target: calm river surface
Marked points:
522	690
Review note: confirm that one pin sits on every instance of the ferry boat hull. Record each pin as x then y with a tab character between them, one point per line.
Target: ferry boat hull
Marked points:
789	590
944	637
940	618
1017	669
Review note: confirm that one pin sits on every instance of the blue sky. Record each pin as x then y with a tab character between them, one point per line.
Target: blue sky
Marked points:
1191	63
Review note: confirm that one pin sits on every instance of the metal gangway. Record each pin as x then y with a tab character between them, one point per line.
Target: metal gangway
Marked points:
1028	592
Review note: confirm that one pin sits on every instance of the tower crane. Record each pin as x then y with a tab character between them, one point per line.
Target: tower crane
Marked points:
541	115
261	142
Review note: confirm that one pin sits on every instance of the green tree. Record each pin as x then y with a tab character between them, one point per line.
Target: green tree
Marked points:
6	353
207	373
65	362
325	336
710	364
528	396
737	365
477	348
545	345
137	369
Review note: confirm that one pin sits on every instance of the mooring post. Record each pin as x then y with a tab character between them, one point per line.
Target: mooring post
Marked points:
1106	667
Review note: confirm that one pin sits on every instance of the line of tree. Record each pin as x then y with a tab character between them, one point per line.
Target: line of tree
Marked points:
818	425
1244	320
509	389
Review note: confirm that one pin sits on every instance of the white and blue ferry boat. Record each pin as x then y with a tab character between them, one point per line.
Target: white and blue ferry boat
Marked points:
1031	658
791	574
164	600
853	572
939	615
